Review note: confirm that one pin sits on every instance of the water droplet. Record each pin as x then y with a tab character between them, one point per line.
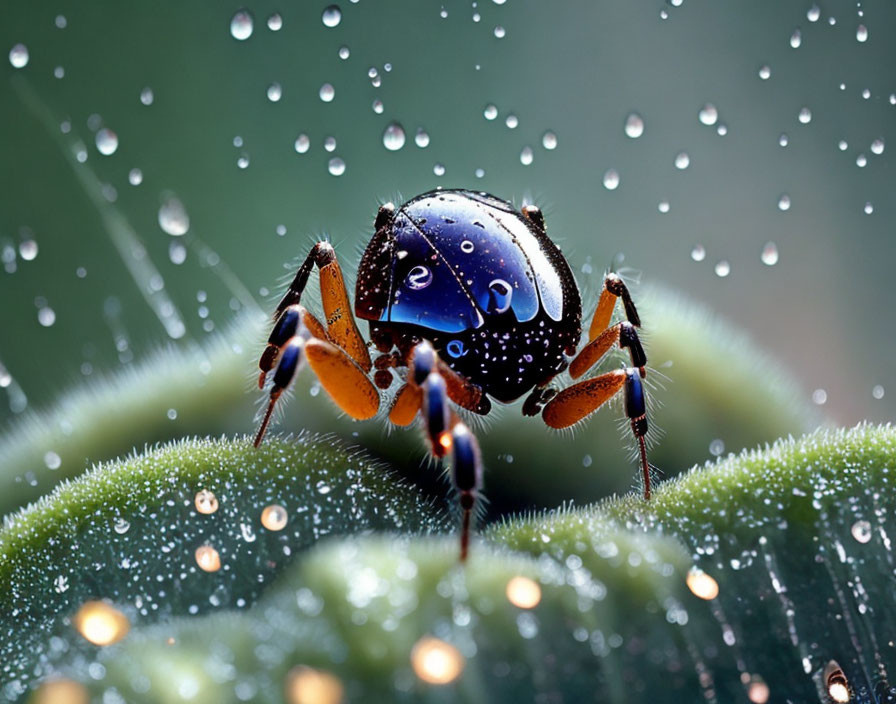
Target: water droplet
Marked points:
101	623
663	206
868	209
121	526
758	691
377	106
61	22
303	143
877	146
329	144
877	392
708	114
171	414
275	22
479	173
796	39
866	94
842	145
393	137
701	584
769	254
512	121
106	141
242	161
177	253
305	685
241	25
698	253
135	177
274	92
46	316
723	268
332	16
861	161
173	218
722	129
327	92
274	517
438	169
836	683
52	460
467	247
435	661
419	277
456	349
784	203
634	125
146	96
819	397
18	56
861	531
805	116
523	592
549	140
526	156
490	112
28	249
861	33
682	160
500	294
205	502
765	72
336	166
611	179
208	558
59	72
783	140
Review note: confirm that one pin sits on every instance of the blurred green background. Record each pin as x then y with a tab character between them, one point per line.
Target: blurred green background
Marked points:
92	283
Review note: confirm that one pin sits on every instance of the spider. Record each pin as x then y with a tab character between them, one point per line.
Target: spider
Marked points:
468	300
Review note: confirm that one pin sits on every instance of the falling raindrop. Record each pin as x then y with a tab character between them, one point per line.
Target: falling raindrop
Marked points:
177	253
682	160
377	106
708	114
303	143
877	146
106	141
814	13
146	96
438	169
758	692
634	125
549	140
664	206
784	203
59	72
121	526
332	16
393	137
512	121
28	249
327	92
723	268
274	517
135	177
862	33
611	179
46	316
796	39
490	112
526	156
722	129
819	397
500	32
783	140
205	502
769	254
275	22
241	25
61	22
765	72
329	144
866	94
421	139
18	56
52	460
842	145
173	217
861	161
336	166
805	115
274	92
877	392
479	173
868	209
698	253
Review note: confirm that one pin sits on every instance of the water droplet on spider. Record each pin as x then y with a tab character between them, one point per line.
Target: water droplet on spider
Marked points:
46	316
708	114
682	161
419	277
634	125
28	249
500	294
52	460
393	137
861	531
877	146
106	141
796	39
331	16
303	143
769	254
438	169
336	166
121	526
500	32
275	92
526	156
205	502
456	349
135	177
275	22
18	56
611	179
241	25
698	253
723	268
805	116
784	203
274	517
512	121
868	209
327	92
490	112
146	96
765	72
861	33
467	247
173	217
208	559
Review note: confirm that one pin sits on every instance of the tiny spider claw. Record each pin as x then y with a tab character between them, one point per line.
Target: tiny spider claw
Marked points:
628	337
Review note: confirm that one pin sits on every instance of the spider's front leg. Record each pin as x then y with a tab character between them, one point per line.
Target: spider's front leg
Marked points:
336	352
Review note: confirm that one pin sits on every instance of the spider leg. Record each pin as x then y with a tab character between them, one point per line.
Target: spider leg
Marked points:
624	333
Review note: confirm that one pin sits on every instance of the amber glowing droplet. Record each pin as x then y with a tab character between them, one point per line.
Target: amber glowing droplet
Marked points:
436	661
305	685
208	558
523	592
206	501
101	623
702	585
758	692
274	517
61	691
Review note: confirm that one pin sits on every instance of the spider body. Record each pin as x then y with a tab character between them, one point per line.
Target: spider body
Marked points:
477	279
466	298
